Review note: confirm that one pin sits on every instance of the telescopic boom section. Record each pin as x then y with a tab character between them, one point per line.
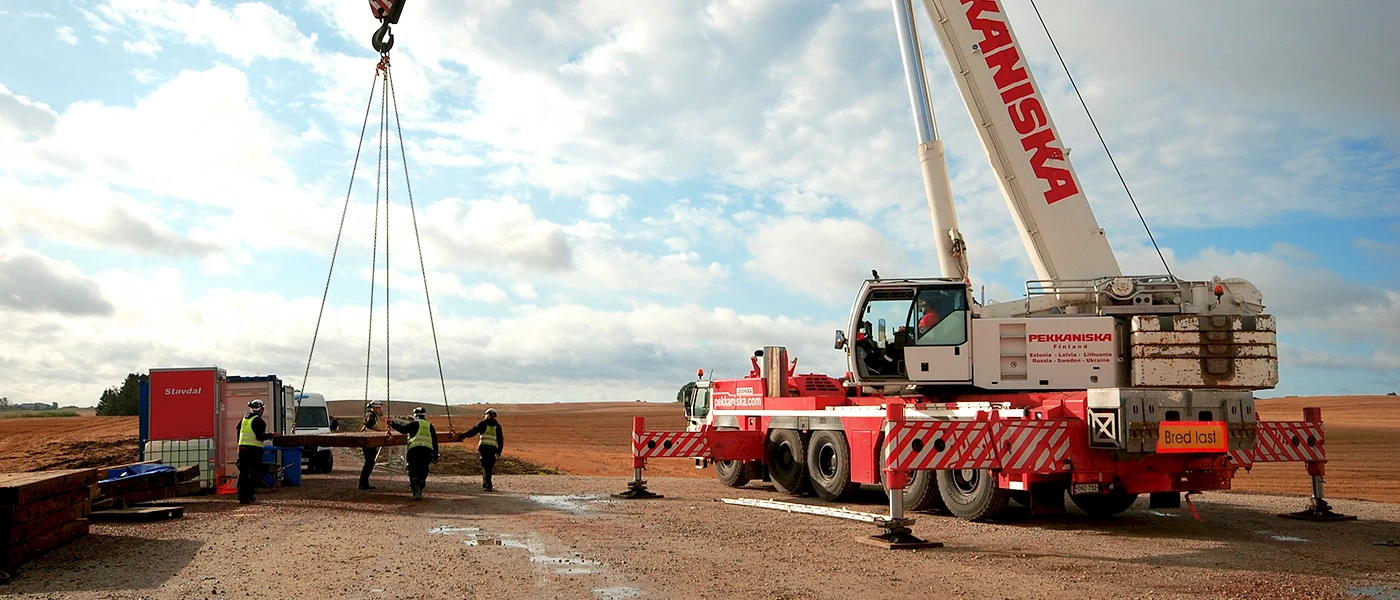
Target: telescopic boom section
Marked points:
1057	225
952	258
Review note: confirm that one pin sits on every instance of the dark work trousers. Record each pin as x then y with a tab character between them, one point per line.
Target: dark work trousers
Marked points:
418	460
250	470
370	455
488	464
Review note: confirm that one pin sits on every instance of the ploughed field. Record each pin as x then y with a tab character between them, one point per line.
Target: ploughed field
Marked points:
1363	441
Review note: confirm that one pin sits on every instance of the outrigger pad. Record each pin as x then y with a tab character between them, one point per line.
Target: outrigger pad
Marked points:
1319	512
637	490
1320	516
899	538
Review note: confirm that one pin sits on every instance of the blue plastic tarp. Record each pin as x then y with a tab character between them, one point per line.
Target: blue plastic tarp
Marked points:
135	471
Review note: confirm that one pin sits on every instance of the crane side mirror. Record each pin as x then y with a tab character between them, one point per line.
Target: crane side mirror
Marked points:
840	340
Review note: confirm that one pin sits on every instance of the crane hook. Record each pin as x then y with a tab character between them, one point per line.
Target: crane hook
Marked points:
383	39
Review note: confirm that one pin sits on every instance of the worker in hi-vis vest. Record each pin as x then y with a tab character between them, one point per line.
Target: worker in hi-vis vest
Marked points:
490	446
422	449
373	422
252	431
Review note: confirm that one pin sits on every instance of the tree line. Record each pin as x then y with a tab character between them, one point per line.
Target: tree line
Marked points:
122	400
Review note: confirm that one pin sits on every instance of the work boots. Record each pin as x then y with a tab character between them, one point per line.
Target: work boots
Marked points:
417	486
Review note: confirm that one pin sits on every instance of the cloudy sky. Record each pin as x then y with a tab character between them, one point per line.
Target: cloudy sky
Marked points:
611	193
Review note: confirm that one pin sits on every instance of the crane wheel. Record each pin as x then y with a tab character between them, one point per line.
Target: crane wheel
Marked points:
731	473
921	493
1104	505
786	455
972	494
829	466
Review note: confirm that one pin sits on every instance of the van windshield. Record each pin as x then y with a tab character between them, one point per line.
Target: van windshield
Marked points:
312	417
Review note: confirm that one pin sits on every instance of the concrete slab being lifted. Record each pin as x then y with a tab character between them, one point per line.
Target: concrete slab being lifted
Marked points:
358	439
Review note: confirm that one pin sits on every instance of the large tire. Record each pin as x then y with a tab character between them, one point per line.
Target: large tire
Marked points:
972	494
731	473
921	493
1104	505
829	466
786	456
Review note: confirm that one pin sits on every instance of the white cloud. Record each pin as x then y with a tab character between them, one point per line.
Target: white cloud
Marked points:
1377	249
826	258
88	213
21	117
66	35
525	290
605	206
33	283
246	31
501	232
163	143
146	75
143	47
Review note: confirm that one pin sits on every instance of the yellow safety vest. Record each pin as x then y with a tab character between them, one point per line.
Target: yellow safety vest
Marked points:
489	437
246	436
423	437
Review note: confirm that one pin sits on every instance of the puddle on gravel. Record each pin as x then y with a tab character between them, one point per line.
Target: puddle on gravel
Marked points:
559	565
617	593
445	530
1159	514
1374	592
576	504
1285	538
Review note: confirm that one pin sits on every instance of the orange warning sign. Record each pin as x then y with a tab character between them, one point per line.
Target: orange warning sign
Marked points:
1192	436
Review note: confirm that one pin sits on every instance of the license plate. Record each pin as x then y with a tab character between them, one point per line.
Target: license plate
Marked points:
1086	488
1192	436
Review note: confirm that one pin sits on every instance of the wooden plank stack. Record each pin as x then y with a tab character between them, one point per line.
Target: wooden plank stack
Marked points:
123	493
42	511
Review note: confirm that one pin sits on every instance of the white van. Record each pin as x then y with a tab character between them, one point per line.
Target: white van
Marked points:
313	417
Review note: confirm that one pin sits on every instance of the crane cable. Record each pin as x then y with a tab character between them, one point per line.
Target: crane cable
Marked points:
387	97
1101	140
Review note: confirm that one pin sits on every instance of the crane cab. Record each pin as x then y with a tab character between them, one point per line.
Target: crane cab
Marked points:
911	331
924	332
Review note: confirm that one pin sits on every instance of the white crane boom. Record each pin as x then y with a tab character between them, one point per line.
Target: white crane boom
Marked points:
1047	202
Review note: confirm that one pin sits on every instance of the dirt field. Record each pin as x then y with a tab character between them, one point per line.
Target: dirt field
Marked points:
1363	435
562	537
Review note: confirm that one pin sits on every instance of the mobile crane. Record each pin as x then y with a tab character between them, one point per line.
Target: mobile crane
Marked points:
1098	384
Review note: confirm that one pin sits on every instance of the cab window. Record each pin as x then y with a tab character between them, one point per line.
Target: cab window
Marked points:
939	317
700	406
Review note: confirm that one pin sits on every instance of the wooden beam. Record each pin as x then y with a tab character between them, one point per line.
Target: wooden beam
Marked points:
23	532
43	544
33	510
22	488
357	439
182	489
138	514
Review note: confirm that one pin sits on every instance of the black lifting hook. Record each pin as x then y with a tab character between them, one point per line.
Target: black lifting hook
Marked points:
383	39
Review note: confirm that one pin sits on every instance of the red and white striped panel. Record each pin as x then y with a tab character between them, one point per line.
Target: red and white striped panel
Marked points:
1035	446
381	7
1284	441
915	445
670	444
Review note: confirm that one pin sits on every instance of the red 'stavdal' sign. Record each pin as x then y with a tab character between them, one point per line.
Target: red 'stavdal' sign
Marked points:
1021	99
182	404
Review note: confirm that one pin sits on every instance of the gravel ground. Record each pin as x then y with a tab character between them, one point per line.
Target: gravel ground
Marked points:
563	537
